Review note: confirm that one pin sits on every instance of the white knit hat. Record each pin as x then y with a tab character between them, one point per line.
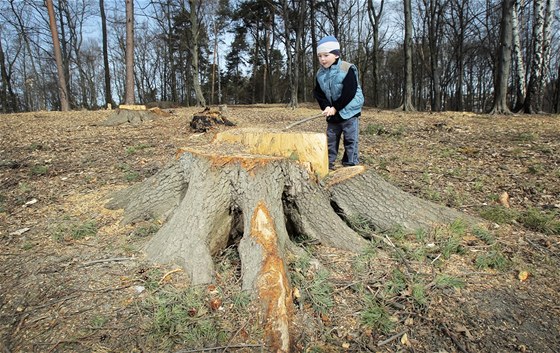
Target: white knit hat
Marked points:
328	44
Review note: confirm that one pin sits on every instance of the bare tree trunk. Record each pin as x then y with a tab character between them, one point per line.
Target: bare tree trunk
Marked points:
65	52
63	94
129	96
290	62
519	76
547	37
532	100
74	23
106	68
312	10
214	63
407	105
557	93
504	60
8	98
33	83
435	18
266	61
375	19
195	30
300	52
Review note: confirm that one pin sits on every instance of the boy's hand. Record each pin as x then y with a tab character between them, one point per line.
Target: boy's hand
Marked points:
329	111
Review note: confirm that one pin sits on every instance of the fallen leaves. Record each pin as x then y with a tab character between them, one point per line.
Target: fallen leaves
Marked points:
523	276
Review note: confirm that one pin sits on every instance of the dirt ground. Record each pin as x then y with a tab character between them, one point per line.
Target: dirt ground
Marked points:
73	279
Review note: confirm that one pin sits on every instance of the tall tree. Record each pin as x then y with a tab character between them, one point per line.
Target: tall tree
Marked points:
504	59
63	94
195	50
532	97
34	92
293	18
459	25
8	98
550	10
407	104
374	17
434	21
556	97
76	14
519	65
129	54
106	69
219	21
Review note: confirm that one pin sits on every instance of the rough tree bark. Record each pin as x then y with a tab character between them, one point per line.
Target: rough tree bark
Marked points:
407	105
63	93
504	60
129	97
229	192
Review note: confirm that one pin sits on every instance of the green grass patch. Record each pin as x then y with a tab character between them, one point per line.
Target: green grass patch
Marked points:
2	203
532	218
525	137
182	317
419	294
379	129
38	170
360	225
35	146
74	230
540	221
484	235
493	259
447	281
498	214
98	321
130	150
130	175
535	169
375	316
314	287
396	283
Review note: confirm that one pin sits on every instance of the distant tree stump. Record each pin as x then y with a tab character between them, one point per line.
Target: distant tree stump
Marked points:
207	119
130	114
210	195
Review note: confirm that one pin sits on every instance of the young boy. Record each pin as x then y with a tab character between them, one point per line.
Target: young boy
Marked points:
340	97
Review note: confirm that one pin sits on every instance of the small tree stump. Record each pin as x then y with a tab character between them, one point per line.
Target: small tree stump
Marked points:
233	187
207	119
131	114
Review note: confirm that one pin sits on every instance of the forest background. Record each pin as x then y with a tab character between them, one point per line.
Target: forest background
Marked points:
463	55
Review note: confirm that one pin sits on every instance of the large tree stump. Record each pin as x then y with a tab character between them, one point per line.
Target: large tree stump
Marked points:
266	187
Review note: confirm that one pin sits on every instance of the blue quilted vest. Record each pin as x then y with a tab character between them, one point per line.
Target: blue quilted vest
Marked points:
330	81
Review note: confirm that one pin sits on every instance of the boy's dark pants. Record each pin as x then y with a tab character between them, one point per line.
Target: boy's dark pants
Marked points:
349	129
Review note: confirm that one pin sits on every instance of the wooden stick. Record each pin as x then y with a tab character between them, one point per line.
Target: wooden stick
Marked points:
303	121
112	259
167	275
218	348
390	339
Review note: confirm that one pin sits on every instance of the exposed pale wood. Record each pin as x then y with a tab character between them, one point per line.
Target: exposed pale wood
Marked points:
132	107
272	283
305	147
